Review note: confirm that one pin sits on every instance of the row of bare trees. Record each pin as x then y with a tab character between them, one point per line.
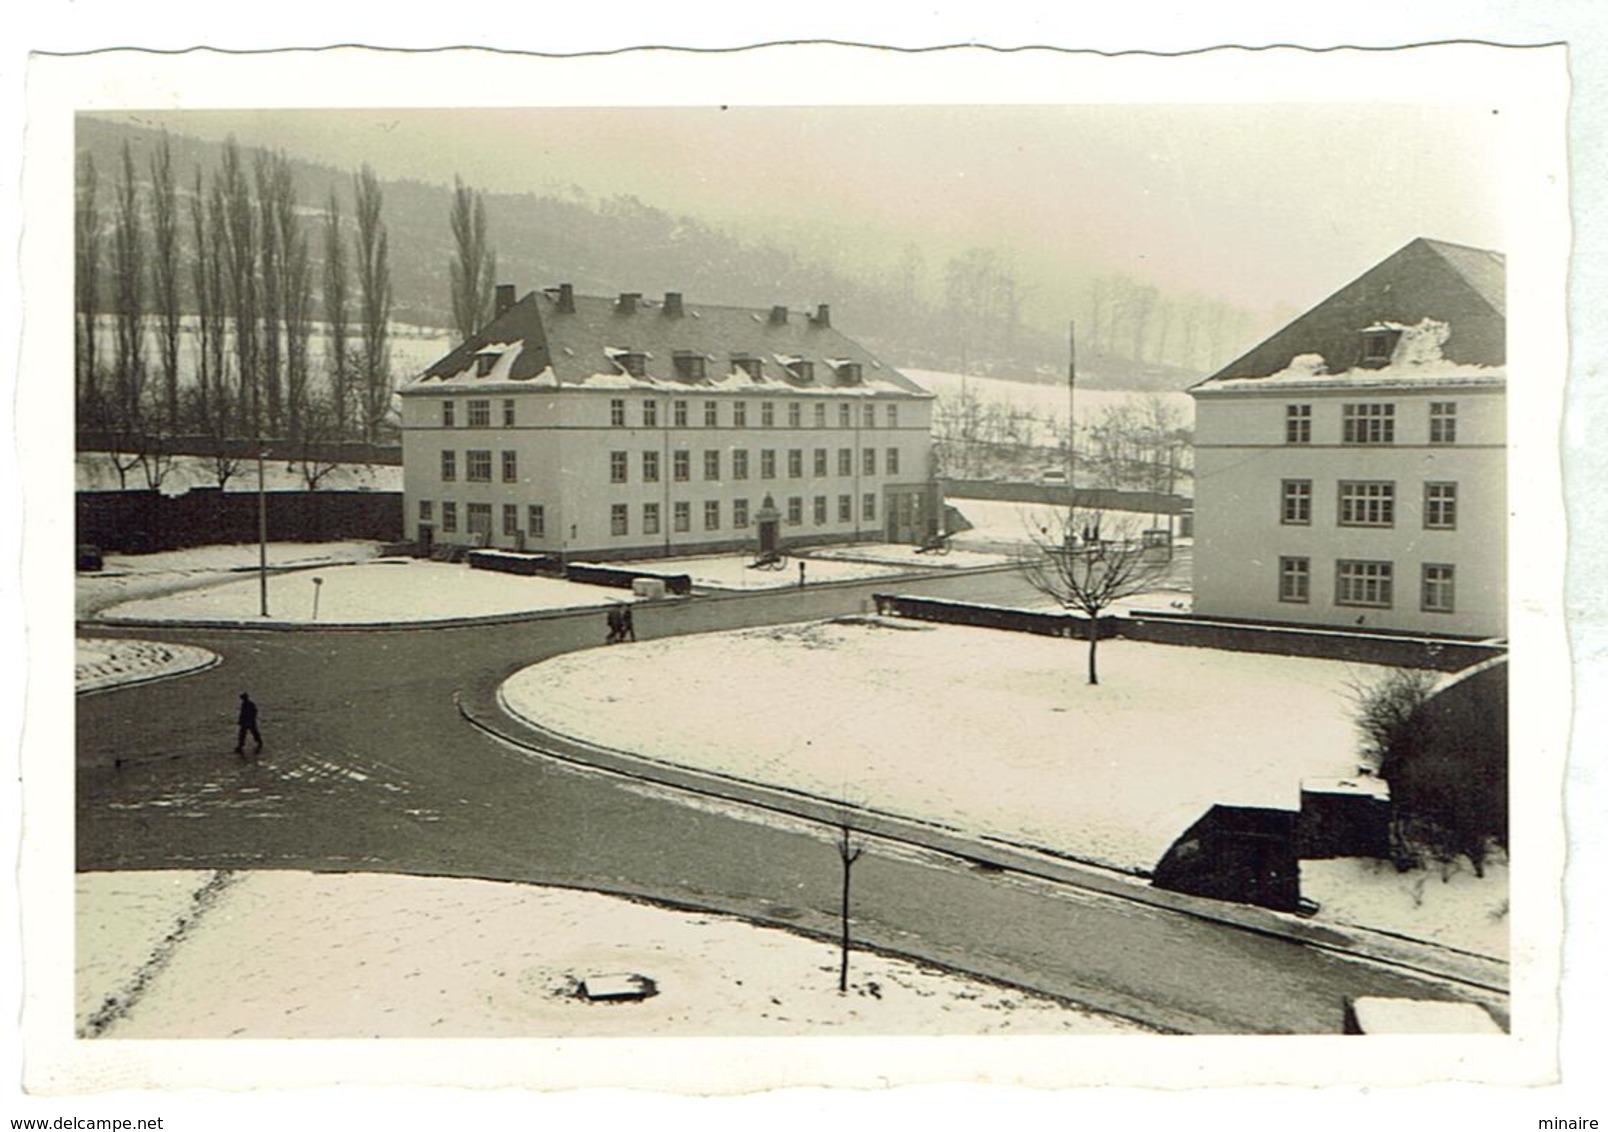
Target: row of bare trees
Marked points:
237	281
1129	318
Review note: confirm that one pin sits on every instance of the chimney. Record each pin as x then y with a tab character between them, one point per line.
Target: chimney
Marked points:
778	316
566	298
628	302
505	299
823	315
672	304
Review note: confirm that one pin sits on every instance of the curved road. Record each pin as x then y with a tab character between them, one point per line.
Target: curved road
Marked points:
369	766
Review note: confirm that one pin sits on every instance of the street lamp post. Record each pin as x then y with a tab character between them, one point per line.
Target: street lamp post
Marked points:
262	530
318	584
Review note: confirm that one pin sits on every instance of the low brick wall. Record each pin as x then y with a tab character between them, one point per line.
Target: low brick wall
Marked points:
141	522
513	562
1388	649
621	578
987	616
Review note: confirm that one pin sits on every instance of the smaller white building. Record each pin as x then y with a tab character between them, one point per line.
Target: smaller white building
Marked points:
622	427
1351	470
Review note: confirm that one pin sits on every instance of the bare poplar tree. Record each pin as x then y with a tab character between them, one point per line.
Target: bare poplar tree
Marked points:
1087	562
271	296
296	290
474	269
241	272
87	236
128	263
165	274
374	303
337	316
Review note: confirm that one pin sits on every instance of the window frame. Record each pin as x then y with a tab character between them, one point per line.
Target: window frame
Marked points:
1428	586
1295	503
1366	503
1350	573
1368	423
1440	513
1298	423
1295	579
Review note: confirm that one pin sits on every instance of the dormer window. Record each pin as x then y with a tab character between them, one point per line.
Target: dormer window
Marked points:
689	365
1379	345
484	364
801	370
633	362
848	373
752	366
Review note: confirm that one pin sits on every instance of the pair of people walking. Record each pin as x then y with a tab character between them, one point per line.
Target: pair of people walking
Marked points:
621	626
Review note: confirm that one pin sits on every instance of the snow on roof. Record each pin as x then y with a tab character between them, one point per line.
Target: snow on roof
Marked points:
1409	376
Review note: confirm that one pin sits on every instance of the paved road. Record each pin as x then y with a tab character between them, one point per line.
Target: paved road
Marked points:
370	767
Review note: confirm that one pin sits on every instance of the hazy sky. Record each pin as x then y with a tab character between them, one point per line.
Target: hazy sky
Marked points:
1265	205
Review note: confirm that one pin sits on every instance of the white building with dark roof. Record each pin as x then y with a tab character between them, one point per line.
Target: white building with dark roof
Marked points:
1351	469
625	427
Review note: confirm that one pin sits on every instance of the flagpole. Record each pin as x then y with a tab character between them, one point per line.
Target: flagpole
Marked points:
1071	418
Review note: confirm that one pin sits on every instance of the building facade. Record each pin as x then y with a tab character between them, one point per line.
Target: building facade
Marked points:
621	427
1351	470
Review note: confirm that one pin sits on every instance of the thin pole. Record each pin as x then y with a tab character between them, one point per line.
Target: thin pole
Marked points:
1071	417
262	531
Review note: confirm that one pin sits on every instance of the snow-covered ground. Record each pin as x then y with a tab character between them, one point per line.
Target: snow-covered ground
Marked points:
382	591
106	663
97	472
1043	400
996	733
737	572
204	955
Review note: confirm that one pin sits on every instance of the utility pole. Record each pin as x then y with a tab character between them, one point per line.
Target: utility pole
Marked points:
262	529
1071	421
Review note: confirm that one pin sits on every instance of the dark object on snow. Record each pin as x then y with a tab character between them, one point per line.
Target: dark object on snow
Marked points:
627	624
1240	853
617	988
248	724
616	626
1344	817
89	558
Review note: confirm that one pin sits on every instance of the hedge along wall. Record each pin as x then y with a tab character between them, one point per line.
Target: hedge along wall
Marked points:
140	522
1364	648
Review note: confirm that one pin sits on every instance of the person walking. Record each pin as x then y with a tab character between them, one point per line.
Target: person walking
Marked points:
616	627
248	724
627	624
801	575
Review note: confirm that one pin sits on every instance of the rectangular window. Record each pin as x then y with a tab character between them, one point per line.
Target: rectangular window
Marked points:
893	416
683	517
426	511
618	472
650	467
619	519
448	414
868	462
477	465
536	516
1363	583
767	463
795	510
1367	503
1295	579
767	414
712	465
739	513
508	412
678	414
820	510
1443	422
845	461
869	415
820	414
739	464
845	415
1368	423
845	508
739	414
449	517
711	414
893	462
1439	581
510	519
795	463
650	518
510	466
632	362
868	507
689	366
479	414
1298	424
1440	506
617	412
681	466
449	466
480	518
1297	506
820	462
711	514
795	414
650	413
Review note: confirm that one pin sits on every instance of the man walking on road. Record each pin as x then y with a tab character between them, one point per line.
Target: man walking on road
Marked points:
248	724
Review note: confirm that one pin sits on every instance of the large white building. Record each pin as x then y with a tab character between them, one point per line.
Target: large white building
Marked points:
1351	469
624	427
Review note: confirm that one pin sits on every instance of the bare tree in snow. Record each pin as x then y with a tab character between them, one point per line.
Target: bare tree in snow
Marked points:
1087	561
850	847
474	267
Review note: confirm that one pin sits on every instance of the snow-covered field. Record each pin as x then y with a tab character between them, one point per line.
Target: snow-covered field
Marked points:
1043	400
737	572
105	663
997	734
203	955
993	731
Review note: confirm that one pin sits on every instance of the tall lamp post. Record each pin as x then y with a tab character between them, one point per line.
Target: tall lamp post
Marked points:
262	529
1071	424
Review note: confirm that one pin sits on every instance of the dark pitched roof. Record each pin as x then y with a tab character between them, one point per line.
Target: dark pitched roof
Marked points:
1461	286
576	347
